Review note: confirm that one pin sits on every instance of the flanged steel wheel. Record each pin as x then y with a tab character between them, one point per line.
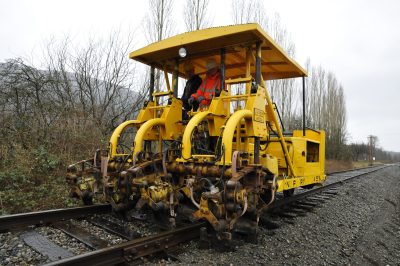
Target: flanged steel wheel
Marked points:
288	193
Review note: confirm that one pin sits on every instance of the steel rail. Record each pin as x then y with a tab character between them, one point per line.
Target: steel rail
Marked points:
354	169
21	220
296	197
130	251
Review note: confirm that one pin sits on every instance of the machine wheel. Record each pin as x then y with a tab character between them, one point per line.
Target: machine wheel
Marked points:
288	193
87	198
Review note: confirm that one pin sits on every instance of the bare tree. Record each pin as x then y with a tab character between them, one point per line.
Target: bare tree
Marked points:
358	151
335	116
249	11
158	23
77	100
96	77
26	107
102	72
316	96
196	14
284	91
252	11
326	109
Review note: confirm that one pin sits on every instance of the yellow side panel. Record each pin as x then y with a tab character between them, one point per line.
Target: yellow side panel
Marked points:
307	153
275	149
271	163
289	183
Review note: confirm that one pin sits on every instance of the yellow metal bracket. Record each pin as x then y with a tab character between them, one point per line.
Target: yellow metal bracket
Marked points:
186	139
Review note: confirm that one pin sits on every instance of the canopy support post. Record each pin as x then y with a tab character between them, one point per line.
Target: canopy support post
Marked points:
304	106
175	78
222	70
152	77
258	63
258	82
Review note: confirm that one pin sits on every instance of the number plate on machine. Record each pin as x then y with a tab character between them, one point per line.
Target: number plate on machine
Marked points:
258	115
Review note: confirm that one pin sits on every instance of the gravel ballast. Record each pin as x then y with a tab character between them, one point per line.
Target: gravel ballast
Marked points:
358	226
14	251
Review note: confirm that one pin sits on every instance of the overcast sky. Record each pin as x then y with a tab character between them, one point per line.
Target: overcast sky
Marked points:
357	40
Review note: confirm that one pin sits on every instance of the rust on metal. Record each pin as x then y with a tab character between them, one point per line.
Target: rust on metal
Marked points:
19	221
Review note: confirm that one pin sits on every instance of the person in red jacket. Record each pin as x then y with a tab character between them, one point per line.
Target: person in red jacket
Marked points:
210	86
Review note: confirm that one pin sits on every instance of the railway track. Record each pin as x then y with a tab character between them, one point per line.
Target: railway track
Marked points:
135	246
19	221
135	249
101	252
333	181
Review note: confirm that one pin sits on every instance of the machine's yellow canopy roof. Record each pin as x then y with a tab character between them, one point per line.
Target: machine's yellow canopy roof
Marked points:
202	45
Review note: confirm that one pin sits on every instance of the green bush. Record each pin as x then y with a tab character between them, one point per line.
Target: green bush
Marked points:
45	162
13	179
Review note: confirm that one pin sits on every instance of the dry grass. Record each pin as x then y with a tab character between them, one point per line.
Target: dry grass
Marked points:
334	165
361	164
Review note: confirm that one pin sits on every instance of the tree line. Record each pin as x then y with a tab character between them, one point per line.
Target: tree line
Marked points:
366	151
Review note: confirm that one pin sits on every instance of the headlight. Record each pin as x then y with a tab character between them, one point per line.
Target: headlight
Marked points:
182	52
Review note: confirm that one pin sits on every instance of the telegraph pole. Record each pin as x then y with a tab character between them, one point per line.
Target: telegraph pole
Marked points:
370	146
